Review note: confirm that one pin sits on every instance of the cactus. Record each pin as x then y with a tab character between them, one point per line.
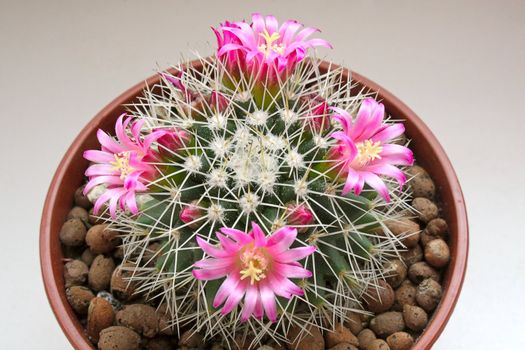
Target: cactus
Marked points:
248	152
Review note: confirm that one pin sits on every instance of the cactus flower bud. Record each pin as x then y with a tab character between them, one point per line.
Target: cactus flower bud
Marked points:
191	214
317	111
299	215
172	142
218	102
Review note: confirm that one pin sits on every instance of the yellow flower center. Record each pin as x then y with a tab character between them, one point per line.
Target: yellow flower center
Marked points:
368	150
254	264
270	44
121	164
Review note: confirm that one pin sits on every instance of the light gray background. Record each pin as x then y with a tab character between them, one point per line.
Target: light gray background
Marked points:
459	64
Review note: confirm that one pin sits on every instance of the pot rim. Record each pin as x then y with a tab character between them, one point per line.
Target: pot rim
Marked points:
51	255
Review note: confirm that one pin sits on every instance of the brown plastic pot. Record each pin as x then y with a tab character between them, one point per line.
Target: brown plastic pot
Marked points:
69	176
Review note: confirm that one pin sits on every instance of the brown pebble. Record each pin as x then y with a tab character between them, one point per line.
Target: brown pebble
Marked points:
75	273
82	200
420	271
437	253
165	327
405	295
421	184
87	257
387	323
341	346
121	286
78	213
340	334
191	339
412	256
395	272
159	343
426	209
141	318
354	322
415	317
73	233
425	238
365	337
437	227
379	298
428	294
79	298
99	276
100	316
406	229
400	341
101	239
119	338
378	344
309	339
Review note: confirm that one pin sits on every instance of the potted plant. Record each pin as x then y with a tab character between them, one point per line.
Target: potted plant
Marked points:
258	197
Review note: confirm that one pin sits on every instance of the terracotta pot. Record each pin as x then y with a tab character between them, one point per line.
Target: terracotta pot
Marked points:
69	176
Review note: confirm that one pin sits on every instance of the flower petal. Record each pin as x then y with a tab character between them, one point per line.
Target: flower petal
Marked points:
282	239
352	180
211	250
397	155
211	274
389	170
99	156
377	184
271	24
239	236
292	271
250	300
268	300
282	286
108	143
229	284
389	133
213	263
235	297
295	254
258	23
258	235
227	244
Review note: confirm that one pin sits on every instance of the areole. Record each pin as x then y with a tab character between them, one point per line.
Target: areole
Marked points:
70	172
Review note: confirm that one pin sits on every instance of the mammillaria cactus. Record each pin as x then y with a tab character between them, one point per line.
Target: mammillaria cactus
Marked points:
245	190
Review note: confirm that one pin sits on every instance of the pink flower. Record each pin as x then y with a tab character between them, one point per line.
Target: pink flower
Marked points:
263	48
123	165
190	215
299	215
257	268
363	151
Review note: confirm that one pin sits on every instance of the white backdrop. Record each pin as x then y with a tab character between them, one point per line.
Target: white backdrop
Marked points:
458	64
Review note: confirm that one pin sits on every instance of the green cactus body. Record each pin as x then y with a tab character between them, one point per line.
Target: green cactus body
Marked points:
249	162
